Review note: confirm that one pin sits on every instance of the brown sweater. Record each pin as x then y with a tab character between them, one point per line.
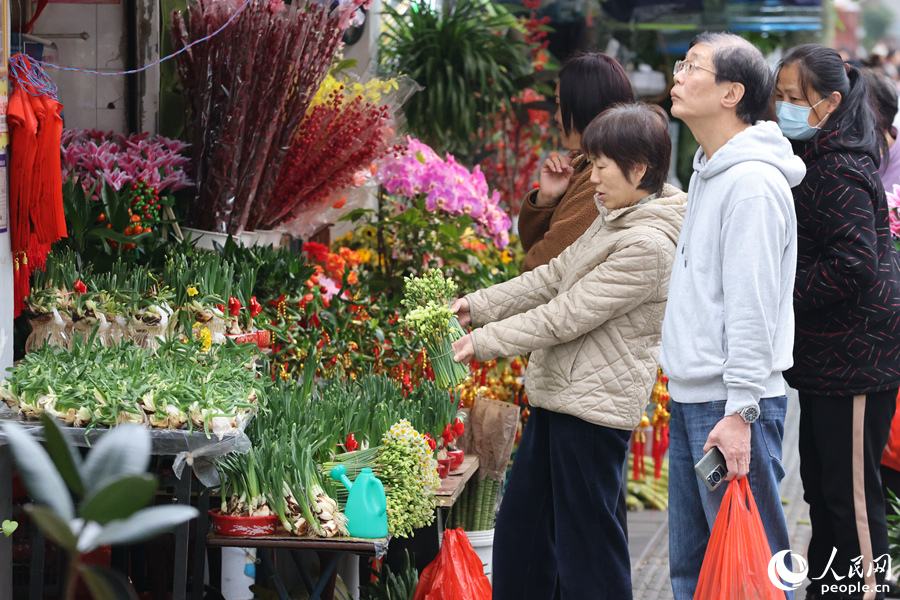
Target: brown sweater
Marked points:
545	231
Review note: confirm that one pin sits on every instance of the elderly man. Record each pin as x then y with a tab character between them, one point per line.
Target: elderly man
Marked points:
728	329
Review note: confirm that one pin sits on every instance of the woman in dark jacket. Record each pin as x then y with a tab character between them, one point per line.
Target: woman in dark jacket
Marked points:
847	312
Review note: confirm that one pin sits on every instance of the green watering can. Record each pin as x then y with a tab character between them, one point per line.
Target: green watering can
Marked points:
366	510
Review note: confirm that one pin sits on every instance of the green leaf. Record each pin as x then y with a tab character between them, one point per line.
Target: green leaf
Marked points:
63	454
44	483
124	450
53	527
106	584
119	499
9	527
144	525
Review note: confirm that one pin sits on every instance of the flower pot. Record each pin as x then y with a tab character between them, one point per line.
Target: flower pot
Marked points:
261	338
242	526
456	458
443	467
267	237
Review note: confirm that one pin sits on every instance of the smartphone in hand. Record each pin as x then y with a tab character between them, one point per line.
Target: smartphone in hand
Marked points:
712	468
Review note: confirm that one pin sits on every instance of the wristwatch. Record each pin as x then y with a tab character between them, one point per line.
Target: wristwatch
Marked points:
749	414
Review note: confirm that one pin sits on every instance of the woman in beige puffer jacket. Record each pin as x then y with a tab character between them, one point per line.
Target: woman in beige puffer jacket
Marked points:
592	318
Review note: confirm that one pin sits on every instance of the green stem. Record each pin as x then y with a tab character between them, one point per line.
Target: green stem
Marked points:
72	577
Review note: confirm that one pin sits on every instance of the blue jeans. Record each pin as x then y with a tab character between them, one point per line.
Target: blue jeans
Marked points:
693	508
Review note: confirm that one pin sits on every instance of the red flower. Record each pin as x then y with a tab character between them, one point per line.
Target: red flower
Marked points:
317	252
448	435
255	307
352	444
431	443
221	307
234	306
80	288
459	428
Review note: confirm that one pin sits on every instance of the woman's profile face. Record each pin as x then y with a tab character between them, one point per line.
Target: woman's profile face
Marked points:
789	89
614	188
572	141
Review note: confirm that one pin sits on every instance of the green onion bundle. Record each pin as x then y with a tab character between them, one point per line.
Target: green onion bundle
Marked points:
427	300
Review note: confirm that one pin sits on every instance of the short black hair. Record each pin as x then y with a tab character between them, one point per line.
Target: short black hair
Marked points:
736	60
630	135
588	85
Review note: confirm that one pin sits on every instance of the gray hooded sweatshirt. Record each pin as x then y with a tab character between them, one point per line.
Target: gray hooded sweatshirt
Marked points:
729	326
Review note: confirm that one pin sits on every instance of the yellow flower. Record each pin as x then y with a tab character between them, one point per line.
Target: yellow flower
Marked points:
364	255
505	258
192	291
368	232
206	339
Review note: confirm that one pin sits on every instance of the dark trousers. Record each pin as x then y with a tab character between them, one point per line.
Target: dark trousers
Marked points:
557	531
841	442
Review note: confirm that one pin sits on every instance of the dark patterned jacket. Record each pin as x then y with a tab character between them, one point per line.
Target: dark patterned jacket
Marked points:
847	291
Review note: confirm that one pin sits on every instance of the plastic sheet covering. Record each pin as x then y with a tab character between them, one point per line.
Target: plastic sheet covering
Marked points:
188	448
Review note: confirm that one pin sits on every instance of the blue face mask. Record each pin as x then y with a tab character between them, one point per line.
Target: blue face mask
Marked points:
794	120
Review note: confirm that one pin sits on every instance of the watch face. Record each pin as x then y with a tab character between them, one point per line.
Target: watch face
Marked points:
750	414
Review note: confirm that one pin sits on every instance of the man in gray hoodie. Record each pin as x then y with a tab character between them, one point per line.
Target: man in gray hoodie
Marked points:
729	324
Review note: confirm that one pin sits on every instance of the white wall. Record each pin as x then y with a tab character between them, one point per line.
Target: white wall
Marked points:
89	101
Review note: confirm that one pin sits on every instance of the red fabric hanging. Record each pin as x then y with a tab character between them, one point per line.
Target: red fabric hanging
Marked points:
35	173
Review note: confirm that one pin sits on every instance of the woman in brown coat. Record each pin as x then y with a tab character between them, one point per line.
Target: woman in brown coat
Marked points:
556	215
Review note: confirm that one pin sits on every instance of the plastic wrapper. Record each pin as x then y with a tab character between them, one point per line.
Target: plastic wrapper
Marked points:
736	563
188	448
310	222
48	328
456	573
247	89
350	126
490	433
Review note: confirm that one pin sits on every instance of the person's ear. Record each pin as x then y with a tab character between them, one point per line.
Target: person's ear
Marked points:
734	92
832	102
637	174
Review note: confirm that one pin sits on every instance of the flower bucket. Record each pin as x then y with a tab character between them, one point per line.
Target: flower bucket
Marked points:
206	239
242	526
456	459
266	237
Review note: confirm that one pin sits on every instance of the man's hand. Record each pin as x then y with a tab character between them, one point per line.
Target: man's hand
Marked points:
464	349
554	179
461	309
732	436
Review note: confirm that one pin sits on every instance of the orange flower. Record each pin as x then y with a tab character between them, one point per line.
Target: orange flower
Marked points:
352	279
350	256
335	265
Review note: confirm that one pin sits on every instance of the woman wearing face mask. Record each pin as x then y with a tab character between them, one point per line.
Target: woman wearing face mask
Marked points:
556	214
847	315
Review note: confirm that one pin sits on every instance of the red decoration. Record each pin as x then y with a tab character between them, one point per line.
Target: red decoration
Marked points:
255	307
234	306
80	288
35	171
351	443
459	428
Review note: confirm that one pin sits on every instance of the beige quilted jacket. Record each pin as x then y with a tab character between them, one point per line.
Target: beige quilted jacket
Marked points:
592	317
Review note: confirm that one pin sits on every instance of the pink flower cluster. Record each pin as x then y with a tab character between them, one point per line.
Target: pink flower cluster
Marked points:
448	186
893	202
94	155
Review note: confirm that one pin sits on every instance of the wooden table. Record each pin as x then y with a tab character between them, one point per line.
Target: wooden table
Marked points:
328	549
452	486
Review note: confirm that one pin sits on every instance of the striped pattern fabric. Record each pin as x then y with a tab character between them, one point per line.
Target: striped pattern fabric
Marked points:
847	292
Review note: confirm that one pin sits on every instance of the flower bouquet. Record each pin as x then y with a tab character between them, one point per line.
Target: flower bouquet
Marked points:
427	300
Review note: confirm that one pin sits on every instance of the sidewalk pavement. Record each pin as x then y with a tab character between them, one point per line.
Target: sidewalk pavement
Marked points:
648	530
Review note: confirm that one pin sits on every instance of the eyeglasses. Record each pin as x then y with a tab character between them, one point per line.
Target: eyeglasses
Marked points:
689	67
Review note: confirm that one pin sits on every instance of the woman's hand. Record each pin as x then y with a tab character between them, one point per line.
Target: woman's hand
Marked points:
464	349
461	309
555	175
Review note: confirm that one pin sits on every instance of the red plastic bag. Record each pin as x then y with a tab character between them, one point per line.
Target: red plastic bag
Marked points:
737	558
456	573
